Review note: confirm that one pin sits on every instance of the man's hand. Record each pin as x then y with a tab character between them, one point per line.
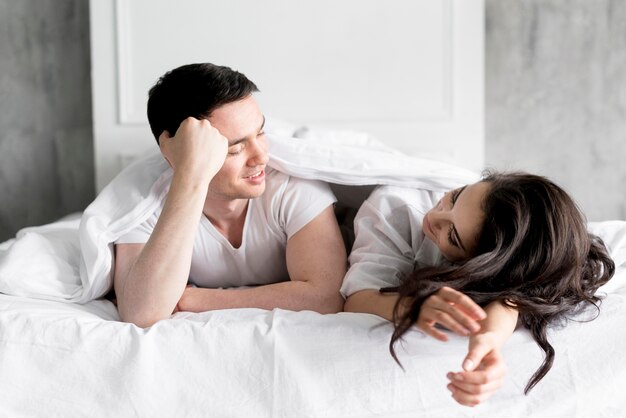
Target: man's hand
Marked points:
483	371
316	262
451	309
187	303
149	278
197	148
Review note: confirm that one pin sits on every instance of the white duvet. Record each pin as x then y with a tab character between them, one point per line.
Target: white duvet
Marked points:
64	273
77	359
72	360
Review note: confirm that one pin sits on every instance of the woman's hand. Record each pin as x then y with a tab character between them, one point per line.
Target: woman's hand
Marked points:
452	310
483	367
483	371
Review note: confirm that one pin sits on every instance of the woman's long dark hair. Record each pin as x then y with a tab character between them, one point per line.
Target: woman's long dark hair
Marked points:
534	254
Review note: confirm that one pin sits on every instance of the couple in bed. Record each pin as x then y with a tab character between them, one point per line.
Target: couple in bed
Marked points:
472	260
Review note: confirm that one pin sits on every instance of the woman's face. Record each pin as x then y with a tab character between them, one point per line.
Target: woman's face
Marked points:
454	224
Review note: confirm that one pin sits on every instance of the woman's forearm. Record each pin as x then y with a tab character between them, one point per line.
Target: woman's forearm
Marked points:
501	321
372	302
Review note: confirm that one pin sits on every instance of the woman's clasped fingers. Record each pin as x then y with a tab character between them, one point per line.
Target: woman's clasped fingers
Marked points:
452	310
462	302
443	315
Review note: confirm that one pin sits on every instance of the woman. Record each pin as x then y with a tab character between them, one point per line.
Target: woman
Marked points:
515	244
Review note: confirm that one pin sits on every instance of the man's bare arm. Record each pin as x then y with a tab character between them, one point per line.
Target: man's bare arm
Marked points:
316	261
149	279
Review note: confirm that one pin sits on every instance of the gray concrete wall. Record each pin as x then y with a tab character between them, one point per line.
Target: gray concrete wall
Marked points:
556	96
46	141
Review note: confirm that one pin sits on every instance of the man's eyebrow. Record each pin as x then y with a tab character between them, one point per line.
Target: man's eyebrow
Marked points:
237	141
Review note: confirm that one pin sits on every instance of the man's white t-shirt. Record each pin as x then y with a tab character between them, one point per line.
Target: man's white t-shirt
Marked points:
389	242
287	205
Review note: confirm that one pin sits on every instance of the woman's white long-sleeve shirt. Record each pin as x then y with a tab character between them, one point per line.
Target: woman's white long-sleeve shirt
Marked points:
389	242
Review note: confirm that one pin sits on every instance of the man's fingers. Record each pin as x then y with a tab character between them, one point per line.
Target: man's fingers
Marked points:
165	135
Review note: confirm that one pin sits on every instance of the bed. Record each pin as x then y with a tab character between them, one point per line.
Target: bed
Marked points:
78	360
64	353
60	359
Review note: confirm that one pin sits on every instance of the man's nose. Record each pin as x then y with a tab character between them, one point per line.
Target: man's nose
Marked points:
258	155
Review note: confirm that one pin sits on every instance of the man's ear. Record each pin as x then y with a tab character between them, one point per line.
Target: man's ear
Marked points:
164	140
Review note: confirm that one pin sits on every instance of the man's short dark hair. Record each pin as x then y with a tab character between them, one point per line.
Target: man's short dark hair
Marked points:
193	90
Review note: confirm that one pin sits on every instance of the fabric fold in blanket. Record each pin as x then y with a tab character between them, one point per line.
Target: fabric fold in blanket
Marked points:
43	263
68	262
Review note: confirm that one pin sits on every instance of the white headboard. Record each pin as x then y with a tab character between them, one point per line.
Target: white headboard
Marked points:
410	72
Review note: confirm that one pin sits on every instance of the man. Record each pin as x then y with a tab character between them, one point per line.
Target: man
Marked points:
228	221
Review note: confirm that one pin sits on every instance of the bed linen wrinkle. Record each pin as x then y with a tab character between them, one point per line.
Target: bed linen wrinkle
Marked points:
311	365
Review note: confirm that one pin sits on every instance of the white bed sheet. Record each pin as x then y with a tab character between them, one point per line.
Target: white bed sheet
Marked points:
62	359
67	359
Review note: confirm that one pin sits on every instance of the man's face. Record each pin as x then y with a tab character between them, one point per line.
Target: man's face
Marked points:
243	174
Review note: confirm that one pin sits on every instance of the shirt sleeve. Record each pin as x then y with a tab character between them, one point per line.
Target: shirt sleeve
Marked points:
386	234
301	202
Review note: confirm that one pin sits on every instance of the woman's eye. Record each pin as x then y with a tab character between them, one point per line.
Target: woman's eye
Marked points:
451	237
454	195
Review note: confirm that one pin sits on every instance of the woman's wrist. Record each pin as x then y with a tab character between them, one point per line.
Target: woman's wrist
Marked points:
489	337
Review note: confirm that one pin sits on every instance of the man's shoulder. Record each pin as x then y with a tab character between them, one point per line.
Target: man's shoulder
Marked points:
277	182
288	194
273	176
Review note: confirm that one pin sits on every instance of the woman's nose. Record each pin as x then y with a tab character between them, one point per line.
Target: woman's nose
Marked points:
439	219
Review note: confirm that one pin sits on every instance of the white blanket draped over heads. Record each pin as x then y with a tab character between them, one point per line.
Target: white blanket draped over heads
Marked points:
72	260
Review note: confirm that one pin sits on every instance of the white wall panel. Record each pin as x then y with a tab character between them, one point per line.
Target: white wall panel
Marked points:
409	72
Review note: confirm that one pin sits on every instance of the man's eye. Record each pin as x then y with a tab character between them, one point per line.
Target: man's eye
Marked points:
235	149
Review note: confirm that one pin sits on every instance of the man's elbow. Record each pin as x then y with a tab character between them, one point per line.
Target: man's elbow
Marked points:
142	319
331	303
142	322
